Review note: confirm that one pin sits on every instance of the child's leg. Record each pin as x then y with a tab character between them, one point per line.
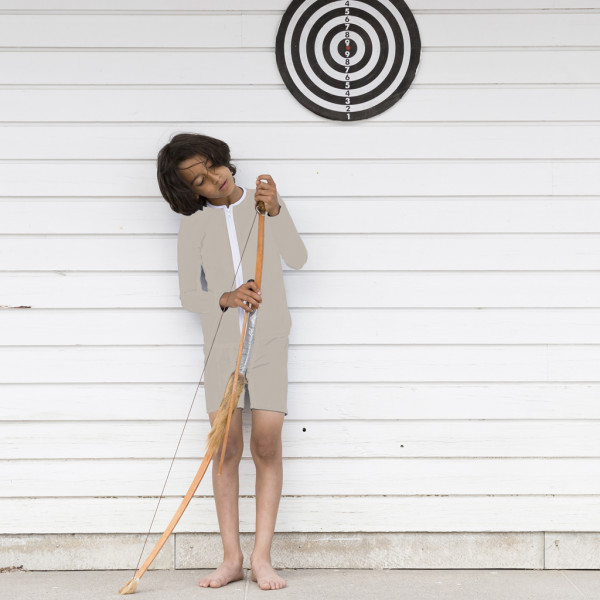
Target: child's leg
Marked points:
226	488
265	444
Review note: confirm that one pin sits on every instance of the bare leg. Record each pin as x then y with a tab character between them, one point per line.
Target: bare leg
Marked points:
265	444
226	488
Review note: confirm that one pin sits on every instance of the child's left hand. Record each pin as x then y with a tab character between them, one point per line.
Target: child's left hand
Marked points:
267	192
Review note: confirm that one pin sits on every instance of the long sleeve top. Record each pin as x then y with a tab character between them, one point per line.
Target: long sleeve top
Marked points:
207	270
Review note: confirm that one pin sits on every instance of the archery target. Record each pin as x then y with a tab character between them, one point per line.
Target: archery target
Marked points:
348	59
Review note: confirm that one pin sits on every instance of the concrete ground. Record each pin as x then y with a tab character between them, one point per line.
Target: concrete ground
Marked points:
312	584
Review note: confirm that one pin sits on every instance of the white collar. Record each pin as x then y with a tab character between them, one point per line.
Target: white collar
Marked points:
225	205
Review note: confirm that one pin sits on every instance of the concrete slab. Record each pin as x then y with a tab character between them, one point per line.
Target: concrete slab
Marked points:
83	551
452	584
572	550
317	584
406	550
587	582
101	585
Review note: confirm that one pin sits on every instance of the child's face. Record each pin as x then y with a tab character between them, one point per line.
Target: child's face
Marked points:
205	179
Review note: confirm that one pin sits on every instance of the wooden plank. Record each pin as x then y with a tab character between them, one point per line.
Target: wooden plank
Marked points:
259	30
317	178
487	214
307	363
177	107
257	67
310	326
142	30
303	514
309	439
352	252
367	142
307	477
306	401
171	6
310	289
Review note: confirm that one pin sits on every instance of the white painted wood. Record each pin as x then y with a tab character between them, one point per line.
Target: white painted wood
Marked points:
369	363
319	178
307	477
335	215
259	30
439	104
350	252
576	141
315	439
242	66
417	6
307	401
444	358
309	326
306	513
311	289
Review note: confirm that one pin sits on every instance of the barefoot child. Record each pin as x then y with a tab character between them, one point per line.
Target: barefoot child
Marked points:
217	245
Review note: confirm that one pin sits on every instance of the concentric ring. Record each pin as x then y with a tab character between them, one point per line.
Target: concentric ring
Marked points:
348	59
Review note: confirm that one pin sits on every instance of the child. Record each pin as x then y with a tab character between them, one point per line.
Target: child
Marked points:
217	246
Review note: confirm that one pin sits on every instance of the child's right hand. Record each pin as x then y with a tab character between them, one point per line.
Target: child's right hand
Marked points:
247	293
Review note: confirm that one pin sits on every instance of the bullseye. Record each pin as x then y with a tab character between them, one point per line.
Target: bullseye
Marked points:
347	48
348	59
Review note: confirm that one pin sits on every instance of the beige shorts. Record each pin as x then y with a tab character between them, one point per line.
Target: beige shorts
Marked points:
266	375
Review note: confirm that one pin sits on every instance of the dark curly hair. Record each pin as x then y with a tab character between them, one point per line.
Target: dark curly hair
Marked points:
173	187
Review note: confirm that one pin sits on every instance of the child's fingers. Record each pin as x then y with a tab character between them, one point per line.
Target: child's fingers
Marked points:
251	285
265	176
253	298
249	293
268	184
264	189
245	304
265	193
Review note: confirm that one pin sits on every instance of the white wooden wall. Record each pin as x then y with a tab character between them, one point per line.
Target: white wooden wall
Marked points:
444	372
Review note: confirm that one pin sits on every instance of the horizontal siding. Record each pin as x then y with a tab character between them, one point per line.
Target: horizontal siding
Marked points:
338	215
250	67
539	141
311	326
312	289
323	363
307	513
345	401
311	439
258	30
179	106
280	5
318	178
333	477
351	252
445	343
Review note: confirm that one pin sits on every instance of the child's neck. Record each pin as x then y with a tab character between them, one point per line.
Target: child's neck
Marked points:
228	200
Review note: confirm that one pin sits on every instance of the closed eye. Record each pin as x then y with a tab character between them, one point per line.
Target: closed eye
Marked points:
199	183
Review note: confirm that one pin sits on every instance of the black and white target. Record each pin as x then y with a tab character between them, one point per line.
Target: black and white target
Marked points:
348	59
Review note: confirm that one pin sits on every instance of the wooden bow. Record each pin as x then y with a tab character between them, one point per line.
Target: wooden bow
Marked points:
219	432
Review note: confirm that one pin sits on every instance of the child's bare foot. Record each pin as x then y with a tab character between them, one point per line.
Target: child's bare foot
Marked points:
264	574
226	573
